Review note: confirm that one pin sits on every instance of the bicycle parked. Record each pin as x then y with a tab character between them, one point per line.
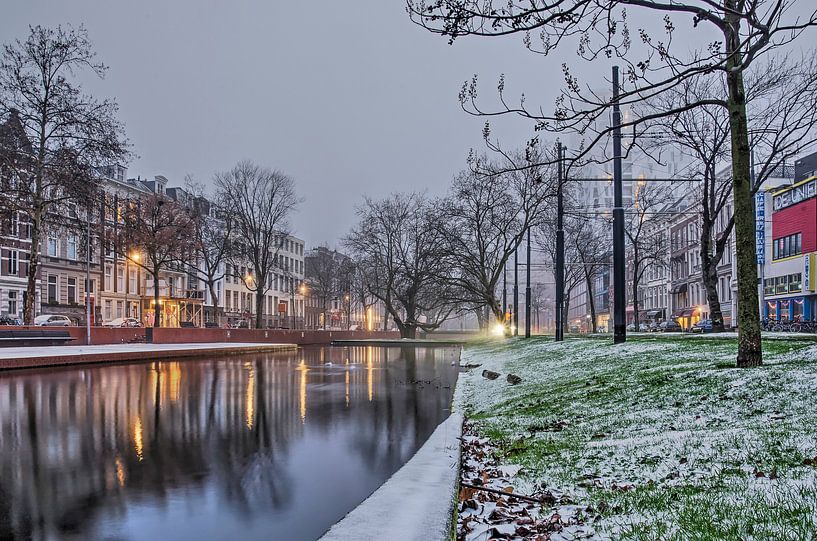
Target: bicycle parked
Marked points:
795	325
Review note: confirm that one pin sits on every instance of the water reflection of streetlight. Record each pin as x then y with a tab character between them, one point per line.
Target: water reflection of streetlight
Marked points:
303	290
302	389
137	438
249	401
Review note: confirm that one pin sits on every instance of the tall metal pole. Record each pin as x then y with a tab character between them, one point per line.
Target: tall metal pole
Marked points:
560	245
527	291
504	291
619	302
516	291
88	280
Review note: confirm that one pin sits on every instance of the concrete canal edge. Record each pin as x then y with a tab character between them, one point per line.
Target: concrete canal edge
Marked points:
417	502
54	356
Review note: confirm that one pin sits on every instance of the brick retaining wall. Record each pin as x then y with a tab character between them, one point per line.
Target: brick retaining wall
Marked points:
116	335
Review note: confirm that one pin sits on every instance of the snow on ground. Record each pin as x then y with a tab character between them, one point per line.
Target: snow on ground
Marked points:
661	430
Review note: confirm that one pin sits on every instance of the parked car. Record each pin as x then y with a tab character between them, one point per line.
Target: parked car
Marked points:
669	326
123	322
653	327
49	320
9	320
705	325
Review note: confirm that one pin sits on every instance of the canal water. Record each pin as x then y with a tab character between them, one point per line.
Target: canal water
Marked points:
266	446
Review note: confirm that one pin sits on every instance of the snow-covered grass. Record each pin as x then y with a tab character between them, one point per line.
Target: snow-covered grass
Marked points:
661	436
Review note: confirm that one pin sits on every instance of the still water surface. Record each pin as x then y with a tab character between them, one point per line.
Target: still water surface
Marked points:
268	446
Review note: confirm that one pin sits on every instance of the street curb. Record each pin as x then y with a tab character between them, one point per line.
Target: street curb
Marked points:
415	503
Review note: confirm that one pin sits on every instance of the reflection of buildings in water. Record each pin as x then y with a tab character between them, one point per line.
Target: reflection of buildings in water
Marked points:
98	437
83	435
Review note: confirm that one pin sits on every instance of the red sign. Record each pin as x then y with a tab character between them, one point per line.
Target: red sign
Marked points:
282	307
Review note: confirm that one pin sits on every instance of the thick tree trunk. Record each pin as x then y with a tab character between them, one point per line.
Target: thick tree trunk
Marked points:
216	306
710	279
480	319
750	352
591	301
259	307
565	310
33	267
157	308
709	273
407	330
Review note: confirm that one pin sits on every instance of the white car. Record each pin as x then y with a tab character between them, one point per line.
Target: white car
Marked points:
123	322
48	320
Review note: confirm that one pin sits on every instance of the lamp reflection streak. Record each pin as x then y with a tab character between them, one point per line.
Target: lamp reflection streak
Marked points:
302	369
138	445
249	400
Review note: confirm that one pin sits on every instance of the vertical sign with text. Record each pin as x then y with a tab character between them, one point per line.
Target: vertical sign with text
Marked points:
760	227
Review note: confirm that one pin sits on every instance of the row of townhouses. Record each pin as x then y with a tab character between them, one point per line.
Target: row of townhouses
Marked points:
116	285
673	288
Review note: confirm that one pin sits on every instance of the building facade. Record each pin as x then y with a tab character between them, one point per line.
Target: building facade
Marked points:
791	245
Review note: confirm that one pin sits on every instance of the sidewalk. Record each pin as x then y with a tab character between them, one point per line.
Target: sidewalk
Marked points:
31	357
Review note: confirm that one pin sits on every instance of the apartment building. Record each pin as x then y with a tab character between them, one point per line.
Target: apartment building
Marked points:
283	305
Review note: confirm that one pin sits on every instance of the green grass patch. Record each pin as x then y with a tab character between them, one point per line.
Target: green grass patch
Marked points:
702	450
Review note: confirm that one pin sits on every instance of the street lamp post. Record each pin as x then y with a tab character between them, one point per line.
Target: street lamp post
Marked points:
516	291
619	299
527	291
560	245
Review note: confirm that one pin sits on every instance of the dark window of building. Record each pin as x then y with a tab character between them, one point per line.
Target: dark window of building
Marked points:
787	246
72	290
52	289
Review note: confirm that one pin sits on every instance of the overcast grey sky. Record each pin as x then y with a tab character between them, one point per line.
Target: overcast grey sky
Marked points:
349	98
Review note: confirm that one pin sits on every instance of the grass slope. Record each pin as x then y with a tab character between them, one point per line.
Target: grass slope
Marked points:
660	435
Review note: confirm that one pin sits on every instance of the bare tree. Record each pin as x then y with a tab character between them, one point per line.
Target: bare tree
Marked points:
782	105
403	251
362	293
67	133
486	218
321	270
747	31
645	233
161	230
260	201
212	231
591	240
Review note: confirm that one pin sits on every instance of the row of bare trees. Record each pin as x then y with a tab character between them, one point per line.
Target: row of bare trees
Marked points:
428	258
